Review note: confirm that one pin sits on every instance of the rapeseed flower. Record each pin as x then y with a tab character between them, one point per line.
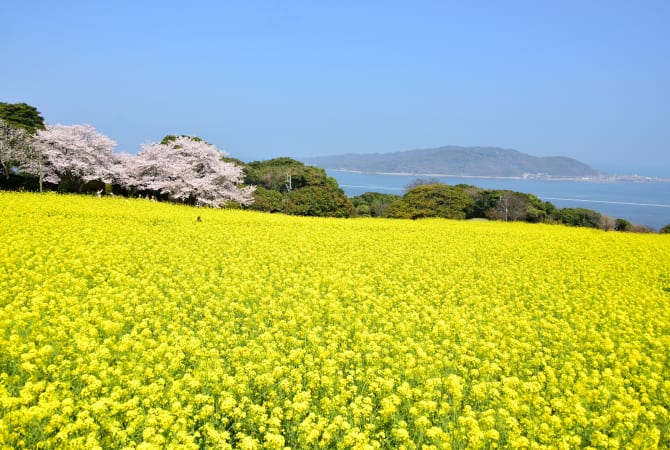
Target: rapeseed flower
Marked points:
126	324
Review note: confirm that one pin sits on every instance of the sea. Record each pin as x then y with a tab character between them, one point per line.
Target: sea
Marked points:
641	202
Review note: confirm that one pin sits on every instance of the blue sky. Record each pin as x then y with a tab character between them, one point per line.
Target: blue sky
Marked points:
261	79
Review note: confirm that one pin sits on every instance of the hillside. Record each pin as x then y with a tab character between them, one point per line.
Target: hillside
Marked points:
459	161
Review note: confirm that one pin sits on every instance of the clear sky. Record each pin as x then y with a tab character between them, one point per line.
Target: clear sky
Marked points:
589	79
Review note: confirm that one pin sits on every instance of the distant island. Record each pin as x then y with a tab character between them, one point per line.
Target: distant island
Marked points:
460	161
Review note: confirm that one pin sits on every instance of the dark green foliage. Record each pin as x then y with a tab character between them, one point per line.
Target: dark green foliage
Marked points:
268	200
432	200
79	186
237	162
171	138
23	182
362	210
622	225
286	174
322	201
287	185
22	115
466	201
483	201
373	204
579	217
508	205
665	229
538	210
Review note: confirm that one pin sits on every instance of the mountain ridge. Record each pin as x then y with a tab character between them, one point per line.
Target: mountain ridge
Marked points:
459	161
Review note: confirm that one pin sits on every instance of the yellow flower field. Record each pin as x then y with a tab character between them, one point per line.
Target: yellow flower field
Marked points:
129	324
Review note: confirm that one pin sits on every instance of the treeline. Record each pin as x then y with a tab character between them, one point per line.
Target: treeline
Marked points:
434	199
289	186
77	158
187	169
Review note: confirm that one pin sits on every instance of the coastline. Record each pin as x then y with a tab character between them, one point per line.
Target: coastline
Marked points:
632	198
542	177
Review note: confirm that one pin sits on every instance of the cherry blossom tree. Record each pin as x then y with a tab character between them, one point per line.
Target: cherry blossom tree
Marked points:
188	169
74	154
15	143
123	170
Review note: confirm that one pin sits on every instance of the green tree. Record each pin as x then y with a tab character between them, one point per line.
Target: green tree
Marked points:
483	200
286	174
432	200
665	229
373	204
579	217
22	115
508	205
172	137
322	201
538	210
287	185
362	210
268	200
622	225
